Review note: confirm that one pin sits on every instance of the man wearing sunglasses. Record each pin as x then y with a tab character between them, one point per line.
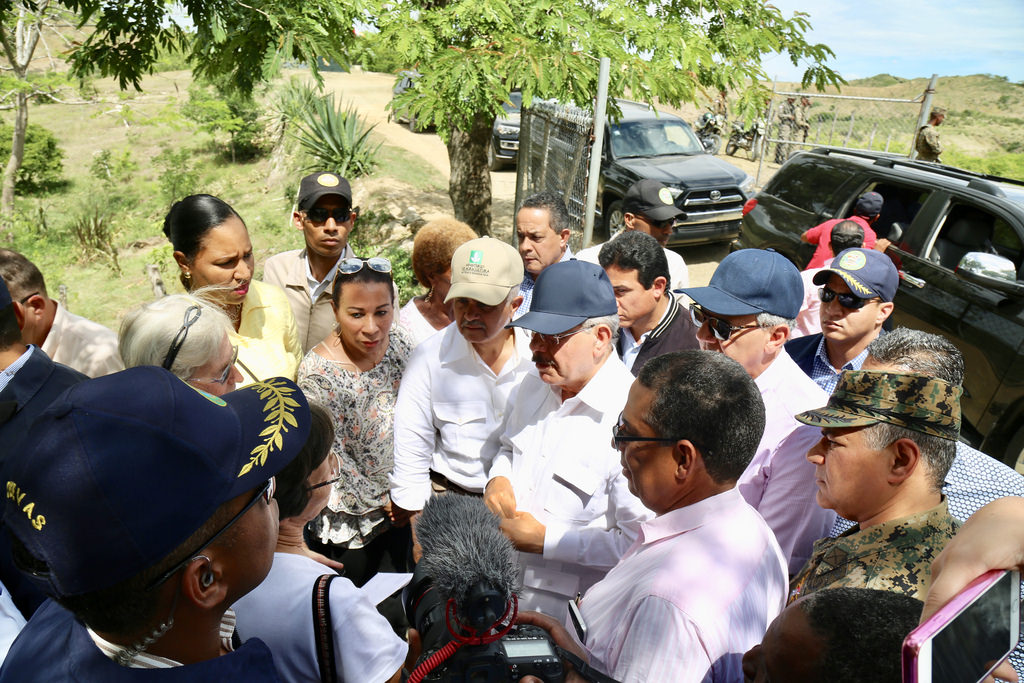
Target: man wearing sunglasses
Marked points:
325	216
145	509
746	312
856	294
649	207
556	481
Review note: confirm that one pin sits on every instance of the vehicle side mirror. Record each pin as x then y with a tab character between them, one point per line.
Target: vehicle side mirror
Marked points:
895	232
992	271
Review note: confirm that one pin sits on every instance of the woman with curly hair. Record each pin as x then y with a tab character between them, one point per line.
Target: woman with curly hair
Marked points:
432	253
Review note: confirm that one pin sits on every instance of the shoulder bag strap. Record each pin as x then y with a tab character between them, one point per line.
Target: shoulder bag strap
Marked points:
322	630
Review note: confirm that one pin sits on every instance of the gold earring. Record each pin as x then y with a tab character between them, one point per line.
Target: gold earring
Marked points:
188	276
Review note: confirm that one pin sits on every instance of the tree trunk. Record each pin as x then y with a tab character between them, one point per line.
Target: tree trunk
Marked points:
469	184
17	154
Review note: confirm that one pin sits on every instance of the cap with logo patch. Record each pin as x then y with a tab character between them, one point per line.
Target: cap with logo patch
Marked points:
120	470
316	185
485	270
868	273
652	199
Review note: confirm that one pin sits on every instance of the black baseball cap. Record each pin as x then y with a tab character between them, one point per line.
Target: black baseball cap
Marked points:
316	185
652	199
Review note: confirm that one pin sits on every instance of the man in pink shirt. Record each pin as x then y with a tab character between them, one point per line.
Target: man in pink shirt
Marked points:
705	577
746	312
865	213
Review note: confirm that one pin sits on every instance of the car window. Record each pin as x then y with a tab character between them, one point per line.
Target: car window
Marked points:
901	204
653	137
966	228
810	186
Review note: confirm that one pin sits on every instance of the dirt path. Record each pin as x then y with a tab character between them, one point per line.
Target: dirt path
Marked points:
371	92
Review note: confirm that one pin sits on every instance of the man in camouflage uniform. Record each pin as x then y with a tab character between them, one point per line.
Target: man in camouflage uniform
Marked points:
792	119
888	440
927	141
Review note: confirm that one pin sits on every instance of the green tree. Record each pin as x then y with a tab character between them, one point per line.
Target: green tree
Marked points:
471	53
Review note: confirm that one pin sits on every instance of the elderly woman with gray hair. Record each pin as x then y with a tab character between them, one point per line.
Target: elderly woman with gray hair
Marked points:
186	334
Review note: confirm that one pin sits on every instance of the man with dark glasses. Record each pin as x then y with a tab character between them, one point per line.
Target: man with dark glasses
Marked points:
856	294
649	207
145	509
746	312
325	216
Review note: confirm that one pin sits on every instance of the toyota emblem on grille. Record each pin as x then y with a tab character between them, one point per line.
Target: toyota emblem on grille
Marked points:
715	195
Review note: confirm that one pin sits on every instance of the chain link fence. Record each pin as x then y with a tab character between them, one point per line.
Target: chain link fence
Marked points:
554	155
795	120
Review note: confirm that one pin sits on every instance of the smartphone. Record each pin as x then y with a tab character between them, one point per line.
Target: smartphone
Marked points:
965	640
577	621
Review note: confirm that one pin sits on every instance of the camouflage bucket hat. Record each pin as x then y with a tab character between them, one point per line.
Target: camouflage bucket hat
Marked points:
917	402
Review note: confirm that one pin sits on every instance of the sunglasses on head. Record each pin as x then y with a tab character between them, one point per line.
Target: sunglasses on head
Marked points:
354	265
722	329
320	215
851	301
192	314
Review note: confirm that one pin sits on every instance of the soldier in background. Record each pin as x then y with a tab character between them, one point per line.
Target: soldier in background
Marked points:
927	141
721	104
787	127
802	123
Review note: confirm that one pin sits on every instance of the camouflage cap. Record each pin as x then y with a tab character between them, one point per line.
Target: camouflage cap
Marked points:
917	402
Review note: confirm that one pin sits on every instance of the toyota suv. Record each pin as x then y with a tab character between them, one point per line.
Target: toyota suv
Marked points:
957	239
648	144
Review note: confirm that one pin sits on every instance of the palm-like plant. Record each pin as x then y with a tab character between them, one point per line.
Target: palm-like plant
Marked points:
336	138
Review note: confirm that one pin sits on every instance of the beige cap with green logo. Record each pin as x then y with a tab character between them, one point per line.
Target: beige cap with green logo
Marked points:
485	270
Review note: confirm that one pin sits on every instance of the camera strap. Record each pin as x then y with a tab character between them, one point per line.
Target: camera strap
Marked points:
322	630
582	668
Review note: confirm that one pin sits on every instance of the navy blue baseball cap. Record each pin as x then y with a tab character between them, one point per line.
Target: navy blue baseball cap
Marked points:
120	470
868	273
752	281
566	294
5	294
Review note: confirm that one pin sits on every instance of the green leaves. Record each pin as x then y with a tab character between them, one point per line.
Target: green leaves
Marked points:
336	139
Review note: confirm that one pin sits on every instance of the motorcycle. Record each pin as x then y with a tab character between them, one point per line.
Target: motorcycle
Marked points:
709	129
746	138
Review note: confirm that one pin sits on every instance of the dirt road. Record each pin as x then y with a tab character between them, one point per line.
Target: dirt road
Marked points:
370	94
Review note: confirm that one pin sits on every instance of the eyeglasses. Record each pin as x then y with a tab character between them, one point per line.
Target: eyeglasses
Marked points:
620	440
320	215
192	314
354	265
224	375
25	298
266	493
851	301
555	339
722	329
335	475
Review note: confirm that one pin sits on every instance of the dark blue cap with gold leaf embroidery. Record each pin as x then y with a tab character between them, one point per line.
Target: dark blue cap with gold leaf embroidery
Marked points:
120	470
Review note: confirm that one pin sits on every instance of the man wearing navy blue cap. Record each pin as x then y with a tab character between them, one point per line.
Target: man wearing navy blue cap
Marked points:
746	312
145	508
856	300
556	481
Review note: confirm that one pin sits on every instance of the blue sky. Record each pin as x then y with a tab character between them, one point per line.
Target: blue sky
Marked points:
912	38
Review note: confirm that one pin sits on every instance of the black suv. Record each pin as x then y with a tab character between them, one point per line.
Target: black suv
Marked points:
958	242
649	144
505	134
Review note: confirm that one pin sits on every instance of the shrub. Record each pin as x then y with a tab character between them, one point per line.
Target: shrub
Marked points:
336	139
226	111
43	165
178	177
94	232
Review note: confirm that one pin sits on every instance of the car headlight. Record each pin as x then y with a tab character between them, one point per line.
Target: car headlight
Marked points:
508	130
747	186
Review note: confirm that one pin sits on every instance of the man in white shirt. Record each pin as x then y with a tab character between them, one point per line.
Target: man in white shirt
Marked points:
451	403
746	313
557	482
705	577
542	231
652	321
649	207
66	338
325	216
